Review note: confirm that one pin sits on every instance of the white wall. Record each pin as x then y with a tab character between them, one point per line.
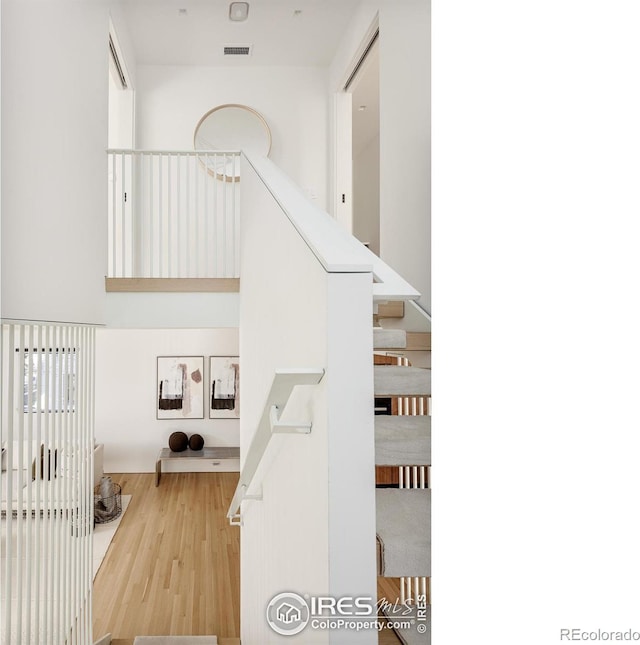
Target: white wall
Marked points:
126	369
54	133
405	143
366	195
314	530
121	114
172	310
171	100
405	130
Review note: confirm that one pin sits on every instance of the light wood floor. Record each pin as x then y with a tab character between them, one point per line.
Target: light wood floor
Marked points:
389	589
173	567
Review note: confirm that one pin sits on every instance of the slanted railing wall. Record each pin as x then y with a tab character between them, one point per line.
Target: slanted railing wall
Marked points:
308	518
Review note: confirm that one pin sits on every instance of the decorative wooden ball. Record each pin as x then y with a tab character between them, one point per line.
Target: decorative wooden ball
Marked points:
196	442
178	441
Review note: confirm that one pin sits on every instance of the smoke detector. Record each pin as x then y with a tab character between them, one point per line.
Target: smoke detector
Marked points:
238	11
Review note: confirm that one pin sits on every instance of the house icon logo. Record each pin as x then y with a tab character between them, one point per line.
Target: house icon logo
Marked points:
288	614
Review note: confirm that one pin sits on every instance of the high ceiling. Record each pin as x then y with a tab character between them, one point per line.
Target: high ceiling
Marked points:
194	32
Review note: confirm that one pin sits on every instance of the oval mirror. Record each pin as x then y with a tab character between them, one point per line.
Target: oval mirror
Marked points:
231	127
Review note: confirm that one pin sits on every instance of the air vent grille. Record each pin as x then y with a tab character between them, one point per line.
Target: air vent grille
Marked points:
237	50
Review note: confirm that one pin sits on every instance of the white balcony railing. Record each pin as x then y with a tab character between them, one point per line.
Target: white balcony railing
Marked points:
173	214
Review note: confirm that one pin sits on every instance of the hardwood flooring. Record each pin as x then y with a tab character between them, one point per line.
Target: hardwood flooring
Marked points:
173	567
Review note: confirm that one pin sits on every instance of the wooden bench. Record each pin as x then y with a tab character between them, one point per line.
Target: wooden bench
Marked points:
221	459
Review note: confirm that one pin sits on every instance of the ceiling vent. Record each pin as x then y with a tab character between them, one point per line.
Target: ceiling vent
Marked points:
238	50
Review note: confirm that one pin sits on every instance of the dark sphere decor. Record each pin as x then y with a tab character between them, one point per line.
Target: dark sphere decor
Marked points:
196	442
178	441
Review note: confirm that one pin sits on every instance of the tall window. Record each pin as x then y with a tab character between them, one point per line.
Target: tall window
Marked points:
50	380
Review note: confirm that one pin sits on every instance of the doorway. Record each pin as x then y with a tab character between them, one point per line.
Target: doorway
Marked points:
365	148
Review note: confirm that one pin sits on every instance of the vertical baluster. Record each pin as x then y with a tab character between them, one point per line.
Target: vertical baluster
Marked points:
56	605
20	507
160	216
123	185
48	432
69	495
62	499
114	218
76	524
190	161
205	222
32	459
225	214
198	217
169	218
140	179
87	399
236	219
215	217
151	236
42	473
178	217
229	244
8	404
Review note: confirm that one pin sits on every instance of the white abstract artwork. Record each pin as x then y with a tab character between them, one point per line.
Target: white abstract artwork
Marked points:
180	387
224	387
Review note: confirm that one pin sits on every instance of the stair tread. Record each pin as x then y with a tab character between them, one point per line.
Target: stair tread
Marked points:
403	440
394	380
389	338
403	526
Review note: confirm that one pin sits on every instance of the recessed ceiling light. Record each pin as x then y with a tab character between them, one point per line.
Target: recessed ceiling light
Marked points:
238	11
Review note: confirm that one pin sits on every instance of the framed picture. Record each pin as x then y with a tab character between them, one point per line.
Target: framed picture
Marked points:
180	387
224	387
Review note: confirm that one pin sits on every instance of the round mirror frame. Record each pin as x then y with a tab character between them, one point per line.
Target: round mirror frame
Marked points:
255	113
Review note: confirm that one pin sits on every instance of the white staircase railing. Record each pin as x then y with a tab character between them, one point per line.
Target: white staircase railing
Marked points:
283	383
46	489
173	214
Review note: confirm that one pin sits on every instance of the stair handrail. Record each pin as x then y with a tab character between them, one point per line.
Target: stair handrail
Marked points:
335	249
421	310
284	380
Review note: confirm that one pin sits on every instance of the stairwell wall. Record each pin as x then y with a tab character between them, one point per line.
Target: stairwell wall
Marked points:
314	530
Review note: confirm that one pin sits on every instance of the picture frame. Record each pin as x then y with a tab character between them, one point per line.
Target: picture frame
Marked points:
224	387
180	387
